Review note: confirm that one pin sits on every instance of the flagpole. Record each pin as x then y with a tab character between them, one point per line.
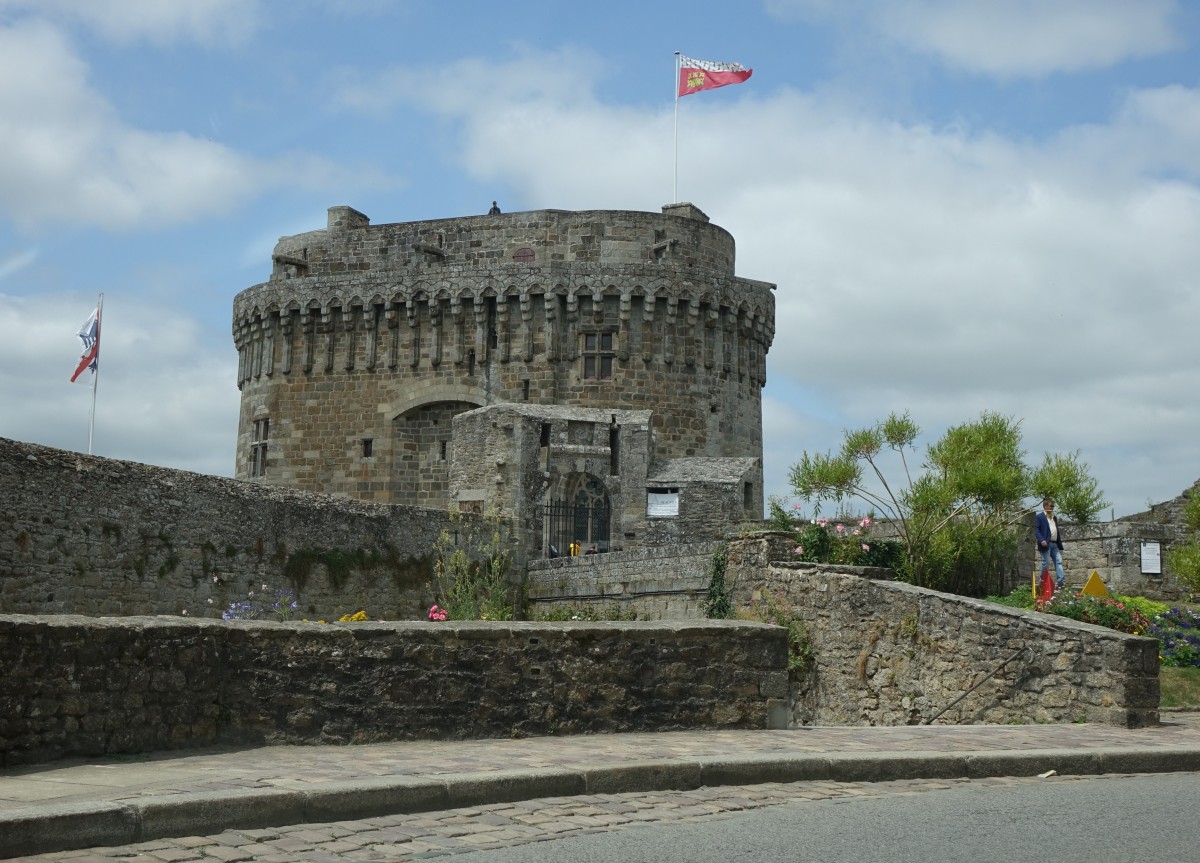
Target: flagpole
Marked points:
675	182
96	380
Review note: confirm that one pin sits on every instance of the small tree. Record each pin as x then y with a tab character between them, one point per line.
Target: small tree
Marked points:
957	520
472	578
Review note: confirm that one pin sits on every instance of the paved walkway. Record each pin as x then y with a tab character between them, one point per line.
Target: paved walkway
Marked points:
118	801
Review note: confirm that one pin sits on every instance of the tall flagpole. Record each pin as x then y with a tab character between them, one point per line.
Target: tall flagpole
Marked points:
675	88
96	380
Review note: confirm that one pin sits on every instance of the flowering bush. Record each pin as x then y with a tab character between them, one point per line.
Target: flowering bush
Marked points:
1102	611
822	540
281	606
1178	634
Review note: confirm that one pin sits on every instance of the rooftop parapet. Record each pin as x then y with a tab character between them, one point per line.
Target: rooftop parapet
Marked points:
679	237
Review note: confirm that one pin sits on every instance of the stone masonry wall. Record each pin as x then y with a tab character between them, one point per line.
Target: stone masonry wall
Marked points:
887	653
89	535
78	686
663	583
1113	550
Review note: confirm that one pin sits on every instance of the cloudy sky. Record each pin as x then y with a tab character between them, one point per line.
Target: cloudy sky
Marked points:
967	205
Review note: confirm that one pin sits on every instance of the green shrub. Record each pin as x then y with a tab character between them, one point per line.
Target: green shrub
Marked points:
1021	597
1148	608
1183	561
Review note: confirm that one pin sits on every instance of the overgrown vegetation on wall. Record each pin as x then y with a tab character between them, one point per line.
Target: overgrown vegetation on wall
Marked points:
1184	560
717	603
471	568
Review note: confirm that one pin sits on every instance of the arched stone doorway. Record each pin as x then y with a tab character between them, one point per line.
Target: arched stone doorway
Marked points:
580	514
421	440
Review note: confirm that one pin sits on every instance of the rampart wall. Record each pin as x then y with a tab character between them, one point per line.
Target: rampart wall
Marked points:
1113	550
77	686
657	583
97	536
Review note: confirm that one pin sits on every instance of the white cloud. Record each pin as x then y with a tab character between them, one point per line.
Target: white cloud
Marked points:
163	397
67	158
922	269
1008	38
211	22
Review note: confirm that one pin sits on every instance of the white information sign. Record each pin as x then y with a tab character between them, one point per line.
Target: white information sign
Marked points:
1151	558
662	505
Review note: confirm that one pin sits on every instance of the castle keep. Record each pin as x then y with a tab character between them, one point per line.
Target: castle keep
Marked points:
595	377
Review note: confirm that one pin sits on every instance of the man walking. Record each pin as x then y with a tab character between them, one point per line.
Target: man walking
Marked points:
1049	541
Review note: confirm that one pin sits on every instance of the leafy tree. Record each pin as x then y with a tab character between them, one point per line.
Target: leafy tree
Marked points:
957	520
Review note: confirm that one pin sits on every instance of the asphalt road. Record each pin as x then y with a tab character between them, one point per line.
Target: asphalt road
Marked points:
1100	820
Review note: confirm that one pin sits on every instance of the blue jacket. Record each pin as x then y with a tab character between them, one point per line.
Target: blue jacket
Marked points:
1041	531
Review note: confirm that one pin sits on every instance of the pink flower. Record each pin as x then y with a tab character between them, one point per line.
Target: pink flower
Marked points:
799	549
865	523
822	522
866	547
436	613
856	531
841	528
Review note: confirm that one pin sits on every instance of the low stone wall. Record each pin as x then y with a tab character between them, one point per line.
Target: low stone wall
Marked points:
665	583
888	653
88	535
77	686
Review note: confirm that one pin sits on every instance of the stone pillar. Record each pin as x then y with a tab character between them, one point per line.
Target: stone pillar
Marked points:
285	335
648	303
526	327
669	335
308	330
350	326
268	324
503	336
392	317
455	338
623	329
414	334
370	322
435	333
481	340
329	331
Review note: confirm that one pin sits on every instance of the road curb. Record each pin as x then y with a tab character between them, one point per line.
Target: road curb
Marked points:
67	827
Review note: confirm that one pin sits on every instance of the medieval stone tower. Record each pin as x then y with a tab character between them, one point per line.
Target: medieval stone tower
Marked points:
595	376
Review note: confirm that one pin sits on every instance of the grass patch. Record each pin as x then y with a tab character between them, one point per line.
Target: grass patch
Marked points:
1180	686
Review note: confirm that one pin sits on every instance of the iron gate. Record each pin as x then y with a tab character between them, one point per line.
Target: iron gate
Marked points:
584	524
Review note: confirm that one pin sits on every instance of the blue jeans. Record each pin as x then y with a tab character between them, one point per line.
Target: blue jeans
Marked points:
1053	551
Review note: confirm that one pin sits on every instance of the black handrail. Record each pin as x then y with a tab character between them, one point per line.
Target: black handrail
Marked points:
978	684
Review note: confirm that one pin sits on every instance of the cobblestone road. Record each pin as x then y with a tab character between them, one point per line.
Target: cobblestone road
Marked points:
400	838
